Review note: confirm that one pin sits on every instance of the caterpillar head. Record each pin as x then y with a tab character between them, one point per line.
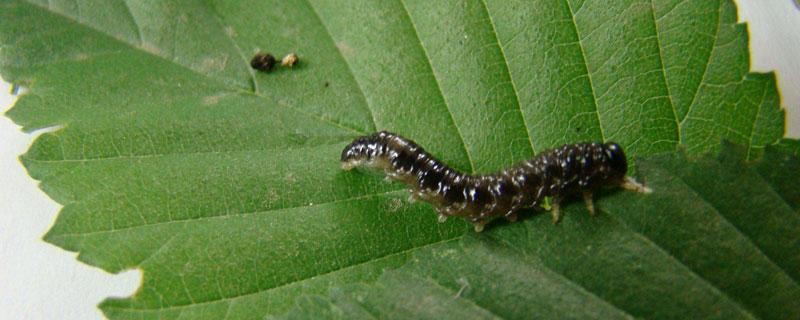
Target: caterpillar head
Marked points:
616	160
354	154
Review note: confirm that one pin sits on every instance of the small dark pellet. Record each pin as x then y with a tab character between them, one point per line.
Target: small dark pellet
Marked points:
263	62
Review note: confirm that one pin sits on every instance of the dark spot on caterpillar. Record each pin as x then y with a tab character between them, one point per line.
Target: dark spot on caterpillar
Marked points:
325	84
578	129
263	62
554	173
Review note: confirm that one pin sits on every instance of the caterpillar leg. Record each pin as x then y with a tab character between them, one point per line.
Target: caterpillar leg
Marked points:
442	218
587	199
633	185
555	209
511	217
479	225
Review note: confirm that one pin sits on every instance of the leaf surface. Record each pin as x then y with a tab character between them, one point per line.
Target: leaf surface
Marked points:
223	184
692	248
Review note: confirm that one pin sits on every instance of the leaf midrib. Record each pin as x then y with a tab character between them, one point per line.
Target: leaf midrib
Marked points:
240	214
180	154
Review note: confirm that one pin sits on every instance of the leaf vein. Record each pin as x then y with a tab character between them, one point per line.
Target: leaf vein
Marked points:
510	77
439	87
247	67
347	63
735	227
391	255
588	72
196	72
663	70
755	121
705	68
566	281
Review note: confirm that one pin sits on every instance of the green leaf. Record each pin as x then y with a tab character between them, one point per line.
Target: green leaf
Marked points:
782	172
695	247
223	184
789	145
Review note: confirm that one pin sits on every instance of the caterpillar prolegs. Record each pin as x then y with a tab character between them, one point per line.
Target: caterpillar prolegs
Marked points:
555	173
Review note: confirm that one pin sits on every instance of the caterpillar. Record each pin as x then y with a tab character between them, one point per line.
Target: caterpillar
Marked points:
554	173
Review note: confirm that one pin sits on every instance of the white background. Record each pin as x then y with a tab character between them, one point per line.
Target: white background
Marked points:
41	281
